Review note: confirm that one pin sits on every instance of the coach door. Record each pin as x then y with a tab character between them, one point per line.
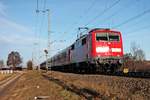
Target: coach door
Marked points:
89	44
69	55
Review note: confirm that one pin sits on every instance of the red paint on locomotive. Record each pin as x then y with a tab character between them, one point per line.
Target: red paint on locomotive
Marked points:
106	43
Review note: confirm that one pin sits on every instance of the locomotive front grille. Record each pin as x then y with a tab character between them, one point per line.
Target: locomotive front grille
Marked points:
108	60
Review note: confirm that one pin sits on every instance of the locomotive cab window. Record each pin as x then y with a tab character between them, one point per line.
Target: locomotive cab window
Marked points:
101	37
107	37
114	37
83	41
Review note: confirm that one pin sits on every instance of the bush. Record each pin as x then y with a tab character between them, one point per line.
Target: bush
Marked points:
29	65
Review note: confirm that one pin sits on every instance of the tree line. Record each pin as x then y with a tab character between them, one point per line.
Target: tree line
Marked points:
14	61
136	53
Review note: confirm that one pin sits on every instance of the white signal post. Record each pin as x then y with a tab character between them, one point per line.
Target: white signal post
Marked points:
46	55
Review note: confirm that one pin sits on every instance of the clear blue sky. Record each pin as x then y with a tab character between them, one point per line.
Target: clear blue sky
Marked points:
20	27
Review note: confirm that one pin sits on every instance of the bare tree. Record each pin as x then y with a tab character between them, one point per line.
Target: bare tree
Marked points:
14	59
140	55
29	65
137	53
128	56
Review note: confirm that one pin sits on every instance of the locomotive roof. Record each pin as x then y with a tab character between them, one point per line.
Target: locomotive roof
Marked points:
98	29
105	29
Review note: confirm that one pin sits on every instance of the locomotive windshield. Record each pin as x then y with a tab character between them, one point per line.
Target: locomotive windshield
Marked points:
113	37
107	37
101	37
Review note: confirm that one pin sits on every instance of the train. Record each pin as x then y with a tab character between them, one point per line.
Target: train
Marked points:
99	50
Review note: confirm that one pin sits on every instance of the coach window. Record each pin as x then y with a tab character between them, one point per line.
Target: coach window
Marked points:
83	41
72	47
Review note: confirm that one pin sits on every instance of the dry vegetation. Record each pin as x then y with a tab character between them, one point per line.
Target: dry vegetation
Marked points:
105	87
139	66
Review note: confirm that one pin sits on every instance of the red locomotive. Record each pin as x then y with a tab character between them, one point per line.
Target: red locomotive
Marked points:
98	50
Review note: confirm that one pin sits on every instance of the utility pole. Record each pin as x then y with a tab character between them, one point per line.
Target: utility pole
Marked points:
48	29
48	46
35	44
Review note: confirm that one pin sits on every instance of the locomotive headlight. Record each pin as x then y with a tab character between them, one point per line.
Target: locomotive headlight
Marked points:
102	49
116	49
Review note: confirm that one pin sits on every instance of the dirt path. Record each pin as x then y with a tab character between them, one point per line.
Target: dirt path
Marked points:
4	76
6	84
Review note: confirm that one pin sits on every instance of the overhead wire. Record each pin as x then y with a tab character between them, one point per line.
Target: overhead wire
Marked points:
132	18
42	18
37	16
43	15
85	12
40	7
44	7
139	29
118	11
103	12
34	52
37	6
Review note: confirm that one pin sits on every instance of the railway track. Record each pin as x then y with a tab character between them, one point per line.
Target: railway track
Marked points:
133	74
120	74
